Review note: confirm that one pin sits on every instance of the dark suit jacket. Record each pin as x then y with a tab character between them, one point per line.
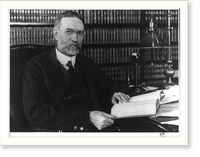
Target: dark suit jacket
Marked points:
43	86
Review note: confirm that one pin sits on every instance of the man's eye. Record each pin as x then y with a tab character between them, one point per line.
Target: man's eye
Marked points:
72	32
80	33
69	32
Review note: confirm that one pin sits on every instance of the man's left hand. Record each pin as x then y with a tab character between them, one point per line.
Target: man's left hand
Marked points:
119	97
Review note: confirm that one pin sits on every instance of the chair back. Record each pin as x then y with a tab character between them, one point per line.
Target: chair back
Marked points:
19	56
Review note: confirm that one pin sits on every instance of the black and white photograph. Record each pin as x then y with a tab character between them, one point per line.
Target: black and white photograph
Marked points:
88	72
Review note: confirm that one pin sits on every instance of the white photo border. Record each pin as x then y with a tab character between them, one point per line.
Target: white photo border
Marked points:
7	138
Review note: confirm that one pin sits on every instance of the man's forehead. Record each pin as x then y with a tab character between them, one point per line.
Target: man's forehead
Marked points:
72	22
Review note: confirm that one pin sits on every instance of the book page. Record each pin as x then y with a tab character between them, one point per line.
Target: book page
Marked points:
170	95
149	96
169	100
168	110
135	109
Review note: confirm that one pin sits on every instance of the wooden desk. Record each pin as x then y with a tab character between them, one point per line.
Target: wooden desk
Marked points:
169	127
143	125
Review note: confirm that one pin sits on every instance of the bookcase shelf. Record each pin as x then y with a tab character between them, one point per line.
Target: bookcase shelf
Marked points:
109	25
111	36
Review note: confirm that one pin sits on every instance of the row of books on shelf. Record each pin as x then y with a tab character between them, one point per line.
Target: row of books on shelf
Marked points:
109	55
156	71
89	16
123	54
116	73
162	32
31	35
120	73
152	74
110	16
44	35
150	71
160	54
112	35
161	16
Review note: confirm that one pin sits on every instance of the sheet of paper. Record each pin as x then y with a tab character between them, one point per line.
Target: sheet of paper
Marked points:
169	110
146	97
172	92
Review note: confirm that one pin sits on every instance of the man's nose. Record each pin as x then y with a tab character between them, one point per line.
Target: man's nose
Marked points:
74	37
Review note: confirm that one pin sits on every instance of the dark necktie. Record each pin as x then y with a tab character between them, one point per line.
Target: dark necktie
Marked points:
71	69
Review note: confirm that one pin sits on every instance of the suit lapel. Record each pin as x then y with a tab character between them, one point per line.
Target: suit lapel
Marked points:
54	72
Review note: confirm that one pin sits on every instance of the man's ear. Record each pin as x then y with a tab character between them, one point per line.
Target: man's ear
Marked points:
55	33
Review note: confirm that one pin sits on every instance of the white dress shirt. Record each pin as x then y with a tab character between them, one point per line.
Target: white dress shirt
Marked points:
63	59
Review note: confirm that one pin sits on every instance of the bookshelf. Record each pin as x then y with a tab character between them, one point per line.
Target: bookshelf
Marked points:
111	37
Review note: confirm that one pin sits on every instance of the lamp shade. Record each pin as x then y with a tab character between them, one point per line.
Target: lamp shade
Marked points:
151	40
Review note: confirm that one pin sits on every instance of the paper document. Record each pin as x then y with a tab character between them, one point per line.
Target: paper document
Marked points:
168	110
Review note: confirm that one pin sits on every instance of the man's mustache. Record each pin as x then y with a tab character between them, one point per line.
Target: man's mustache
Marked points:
77	46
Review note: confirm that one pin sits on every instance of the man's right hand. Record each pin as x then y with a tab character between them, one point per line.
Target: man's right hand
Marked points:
101	119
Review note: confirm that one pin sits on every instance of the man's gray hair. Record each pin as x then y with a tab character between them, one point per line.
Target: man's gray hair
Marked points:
57	22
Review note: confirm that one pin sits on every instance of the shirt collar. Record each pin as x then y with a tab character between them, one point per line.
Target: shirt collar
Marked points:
63	59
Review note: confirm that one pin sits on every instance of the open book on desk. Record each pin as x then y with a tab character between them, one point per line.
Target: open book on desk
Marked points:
148	104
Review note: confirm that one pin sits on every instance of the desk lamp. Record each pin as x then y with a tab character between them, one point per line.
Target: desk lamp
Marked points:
149	41
152	40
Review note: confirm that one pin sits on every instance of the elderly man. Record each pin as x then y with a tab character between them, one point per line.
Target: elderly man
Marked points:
62	88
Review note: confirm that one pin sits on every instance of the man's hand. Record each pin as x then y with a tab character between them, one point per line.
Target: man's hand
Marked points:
101	119
120	98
